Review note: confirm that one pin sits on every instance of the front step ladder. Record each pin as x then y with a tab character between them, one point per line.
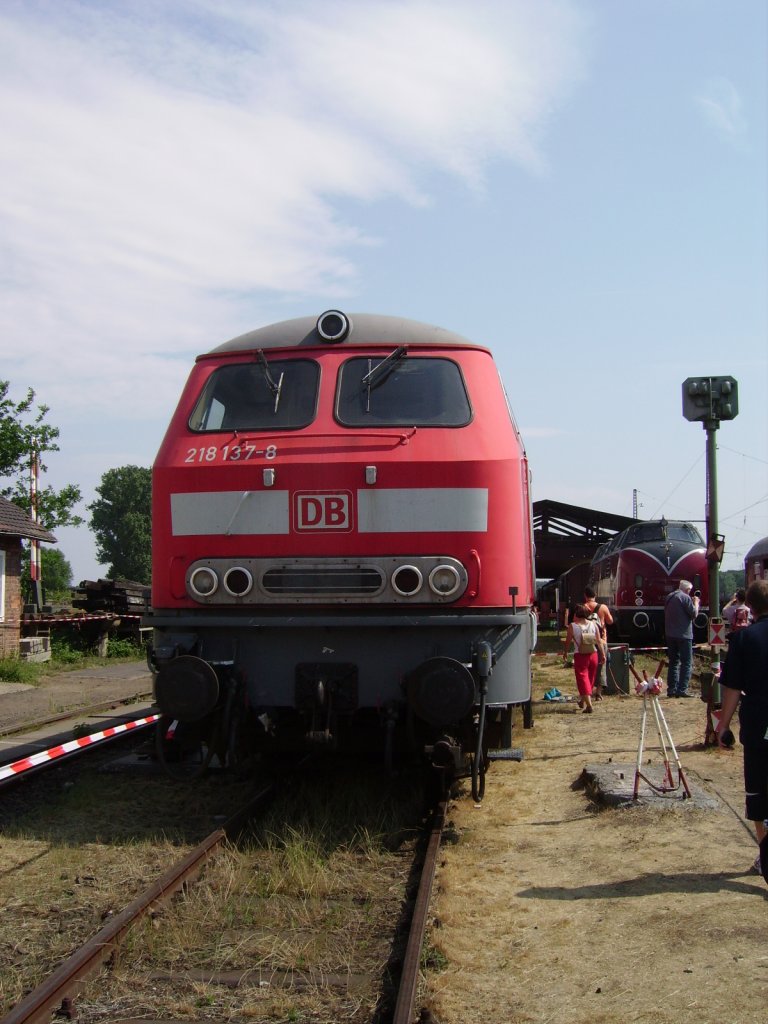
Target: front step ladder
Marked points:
510	754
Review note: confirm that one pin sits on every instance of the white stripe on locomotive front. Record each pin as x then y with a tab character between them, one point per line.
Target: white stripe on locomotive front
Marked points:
220	513
423	510
385	510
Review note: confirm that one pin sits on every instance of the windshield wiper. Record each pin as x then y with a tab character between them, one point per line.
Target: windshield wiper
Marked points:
275	388
378	374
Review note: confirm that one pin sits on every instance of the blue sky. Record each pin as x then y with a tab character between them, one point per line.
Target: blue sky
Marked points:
578	184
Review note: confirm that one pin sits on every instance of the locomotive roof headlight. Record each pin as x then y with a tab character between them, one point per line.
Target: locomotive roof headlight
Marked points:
203	582
407	580
238	581
444	580
333	325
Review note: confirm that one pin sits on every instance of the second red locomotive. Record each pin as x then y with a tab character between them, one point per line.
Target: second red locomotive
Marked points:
635	571
342	537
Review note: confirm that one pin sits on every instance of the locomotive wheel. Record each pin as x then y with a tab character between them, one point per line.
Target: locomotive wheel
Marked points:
184	757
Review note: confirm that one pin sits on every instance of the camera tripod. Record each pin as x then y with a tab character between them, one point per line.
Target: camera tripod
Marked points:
650	689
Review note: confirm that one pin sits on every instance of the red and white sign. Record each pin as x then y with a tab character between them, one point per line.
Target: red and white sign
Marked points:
716	632
316	510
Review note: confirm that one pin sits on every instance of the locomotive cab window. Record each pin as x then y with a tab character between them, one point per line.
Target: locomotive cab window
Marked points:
684	532
278	394
401	390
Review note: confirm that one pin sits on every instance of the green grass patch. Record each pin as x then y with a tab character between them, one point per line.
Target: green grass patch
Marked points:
67	653
14	670
548	641
124	647
72	650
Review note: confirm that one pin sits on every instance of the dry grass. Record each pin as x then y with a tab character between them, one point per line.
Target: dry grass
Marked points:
552	910
314	890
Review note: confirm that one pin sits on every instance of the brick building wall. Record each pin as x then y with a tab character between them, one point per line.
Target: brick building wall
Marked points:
10	626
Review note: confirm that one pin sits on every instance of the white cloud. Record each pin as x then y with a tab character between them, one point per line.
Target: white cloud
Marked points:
162	166
721	104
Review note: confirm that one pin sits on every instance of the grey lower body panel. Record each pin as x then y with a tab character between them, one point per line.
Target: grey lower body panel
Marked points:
271	653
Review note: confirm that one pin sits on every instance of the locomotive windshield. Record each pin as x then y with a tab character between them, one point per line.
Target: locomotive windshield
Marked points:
262	395
642	533
401	391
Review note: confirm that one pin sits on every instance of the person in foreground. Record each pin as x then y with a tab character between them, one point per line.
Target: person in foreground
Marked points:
584	636
600	614
745	679
680	610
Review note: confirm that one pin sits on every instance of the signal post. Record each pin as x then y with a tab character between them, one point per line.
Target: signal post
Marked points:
708	400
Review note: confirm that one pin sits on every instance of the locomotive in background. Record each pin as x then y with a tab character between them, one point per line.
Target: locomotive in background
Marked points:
342	547
635	571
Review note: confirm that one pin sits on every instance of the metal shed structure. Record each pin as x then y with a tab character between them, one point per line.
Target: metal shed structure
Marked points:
566	535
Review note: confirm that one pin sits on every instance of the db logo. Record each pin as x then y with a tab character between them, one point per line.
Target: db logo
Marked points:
316	510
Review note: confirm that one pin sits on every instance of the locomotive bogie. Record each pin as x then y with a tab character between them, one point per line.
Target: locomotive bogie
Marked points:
371	664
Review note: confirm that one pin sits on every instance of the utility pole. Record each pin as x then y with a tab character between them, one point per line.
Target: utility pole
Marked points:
35	561
708	400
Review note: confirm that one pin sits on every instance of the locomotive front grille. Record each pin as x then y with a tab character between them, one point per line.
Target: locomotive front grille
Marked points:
419	579
316	581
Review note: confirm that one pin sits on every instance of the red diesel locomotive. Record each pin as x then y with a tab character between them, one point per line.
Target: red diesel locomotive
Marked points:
635	571
342	539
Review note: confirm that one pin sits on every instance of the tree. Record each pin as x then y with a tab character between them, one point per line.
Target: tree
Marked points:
121	519
56	572
730	581
24	433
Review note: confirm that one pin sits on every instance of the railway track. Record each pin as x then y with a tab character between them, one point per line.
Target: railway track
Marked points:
57	753
378	984
75	715
58	992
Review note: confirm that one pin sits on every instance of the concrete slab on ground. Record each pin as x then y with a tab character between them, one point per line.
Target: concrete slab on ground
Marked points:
613	784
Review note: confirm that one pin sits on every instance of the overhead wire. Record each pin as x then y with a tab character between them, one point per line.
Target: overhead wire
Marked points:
738	512
743	454
678	484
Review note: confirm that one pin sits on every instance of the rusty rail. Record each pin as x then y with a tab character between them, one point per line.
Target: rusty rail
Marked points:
63	716
58	990
409	977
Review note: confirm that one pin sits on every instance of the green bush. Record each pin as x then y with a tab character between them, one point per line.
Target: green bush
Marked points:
124	647
13	670
69	650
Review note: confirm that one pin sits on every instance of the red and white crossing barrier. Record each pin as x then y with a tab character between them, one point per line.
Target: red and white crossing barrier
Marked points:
18	767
